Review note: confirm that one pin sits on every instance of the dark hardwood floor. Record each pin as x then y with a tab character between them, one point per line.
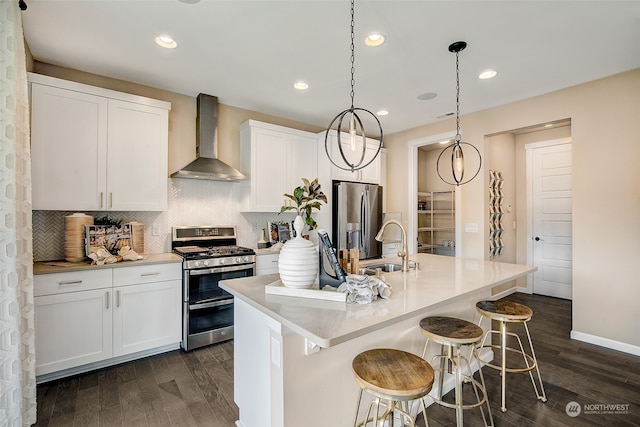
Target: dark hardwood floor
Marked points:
572	371
196	388
171	389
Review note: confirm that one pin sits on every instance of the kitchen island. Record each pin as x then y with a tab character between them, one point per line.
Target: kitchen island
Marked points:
292	356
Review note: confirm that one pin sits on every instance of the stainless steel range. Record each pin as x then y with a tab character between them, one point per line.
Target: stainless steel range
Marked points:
210	254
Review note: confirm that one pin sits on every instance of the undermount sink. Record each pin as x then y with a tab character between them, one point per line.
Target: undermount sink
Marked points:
386	267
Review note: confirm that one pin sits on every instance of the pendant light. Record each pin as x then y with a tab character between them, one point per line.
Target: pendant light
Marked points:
456	151
350	122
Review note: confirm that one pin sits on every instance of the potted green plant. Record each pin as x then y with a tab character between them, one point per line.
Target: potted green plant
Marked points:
306	198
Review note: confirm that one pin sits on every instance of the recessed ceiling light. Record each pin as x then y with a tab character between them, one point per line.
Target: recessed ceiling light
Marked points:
301	85
446	141
489	74
166	42
548	125
427	96
374	39
382	113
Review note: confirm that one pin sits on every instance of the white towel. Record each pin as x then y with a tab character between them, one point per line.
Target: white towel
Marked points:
361	289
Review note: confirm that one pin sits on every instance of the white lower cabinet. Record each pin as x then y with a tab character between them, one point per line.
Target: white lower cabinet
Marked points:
92	316
72	329
267	263
146	316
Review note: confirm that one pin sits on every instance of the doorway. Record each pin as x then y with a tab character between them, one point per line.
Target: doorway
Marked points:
549	206
413	146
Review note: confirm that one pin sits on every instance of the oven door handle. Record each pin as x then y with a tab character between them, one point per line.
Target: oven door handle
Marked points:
200	272
203	305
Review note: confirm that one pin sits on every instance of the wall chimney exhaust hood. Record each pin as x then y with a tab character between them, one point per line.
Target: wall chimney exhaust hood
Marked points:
206	165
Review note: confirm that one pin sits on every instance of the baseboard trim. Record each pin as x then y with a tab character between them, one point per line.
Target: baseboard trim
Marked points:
43	378
606	342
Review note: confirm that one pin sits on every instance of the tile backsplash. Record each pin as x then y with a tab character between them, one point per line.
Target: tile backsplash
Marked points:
190	202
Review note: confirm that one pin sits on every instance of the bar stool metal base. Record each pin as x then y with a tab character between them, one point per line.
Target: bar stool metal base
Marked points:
510	312
394	378
452	334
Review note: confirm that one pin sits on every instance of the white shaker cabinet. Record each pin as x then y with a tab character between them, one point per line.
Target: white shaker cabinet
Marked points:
72	329
73	324
267	263
276	159
89	319
371	174
96	149
147	307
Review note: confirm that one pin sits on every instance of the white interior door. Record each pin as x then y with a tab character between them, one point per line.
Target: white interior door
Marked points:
551	190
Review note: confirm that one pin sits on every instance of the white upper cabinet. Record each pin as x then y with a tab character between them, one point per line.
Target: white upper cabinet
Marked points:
96	149
372	174
276	159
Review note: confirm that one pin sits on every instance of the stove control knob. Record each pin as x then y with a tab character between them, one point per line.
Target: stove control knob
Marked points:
205	262
246	259
196	263
222	261
239	260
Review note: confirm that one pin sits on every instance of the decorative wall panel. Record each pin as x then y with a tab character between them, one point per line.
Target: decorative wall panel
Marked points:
496	212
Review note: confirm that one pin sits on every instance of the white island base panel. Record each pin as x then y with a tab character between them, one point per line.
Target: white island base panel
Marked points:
283	378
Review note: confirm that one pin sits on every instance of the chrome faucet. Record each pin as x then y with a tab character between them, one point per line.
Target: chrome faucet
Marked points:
402	253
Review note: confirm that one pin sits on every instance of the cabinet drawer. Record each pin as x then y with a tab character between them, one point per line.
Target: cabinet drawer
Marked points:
73	281
147	274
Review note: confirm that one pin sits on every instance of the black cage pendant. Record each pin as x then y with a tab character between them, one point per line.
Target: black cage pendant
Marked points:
351	122
458	154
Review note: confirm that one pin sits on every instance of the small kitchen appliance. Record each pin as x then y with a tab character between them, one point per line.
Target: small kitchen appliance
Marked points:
210	254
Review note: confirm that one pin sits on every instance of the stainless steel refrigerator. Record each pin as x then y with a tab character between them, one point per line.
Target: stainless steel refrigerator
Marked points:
357	217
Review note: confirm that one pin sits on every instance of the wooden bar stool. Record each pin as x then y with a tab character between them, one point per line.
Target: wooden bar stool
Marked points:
510	312
394	378
452	333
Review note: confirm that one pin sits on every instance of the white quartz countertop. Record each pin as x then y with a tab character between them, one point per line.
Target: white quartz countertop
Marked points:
438	280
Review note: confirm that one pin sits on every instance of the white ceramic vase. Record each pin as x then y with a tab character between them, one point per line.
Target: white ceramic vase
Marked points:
298	260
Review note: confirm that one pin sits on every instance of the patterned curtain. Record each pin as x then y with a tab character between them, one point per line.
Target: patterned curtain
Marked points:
17	343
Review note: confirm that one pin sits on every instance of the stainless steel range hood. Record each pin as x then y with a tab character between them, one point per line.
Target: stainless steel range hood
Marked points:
207	165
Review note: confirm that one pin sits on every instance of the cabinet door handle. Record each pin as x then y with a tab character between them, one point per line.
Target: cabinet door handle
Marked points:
101	199
110	200
117	298
69	282
106	300
149	274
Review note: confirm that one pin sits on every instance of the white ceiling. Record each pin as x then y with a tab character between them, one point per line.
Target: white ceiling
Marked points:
249	53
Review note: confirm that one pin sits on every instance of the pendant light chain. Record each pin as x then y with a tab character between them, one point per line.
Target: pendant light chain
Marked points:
458	137
361	154
353	55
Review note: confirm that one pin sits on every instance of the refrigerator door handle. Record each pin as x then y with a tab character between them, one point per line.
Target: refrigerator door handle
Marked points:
364	218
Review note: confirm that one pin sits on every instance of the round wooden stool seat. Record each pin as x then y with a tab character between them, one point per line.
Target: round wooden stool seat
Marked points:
450	330
394	378
504	310
393	374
